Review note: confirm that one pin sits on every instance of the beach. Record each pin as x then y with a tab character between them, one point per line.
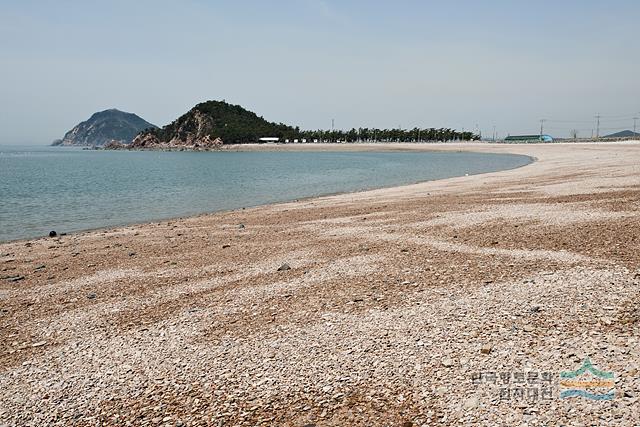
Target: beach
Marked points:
392	307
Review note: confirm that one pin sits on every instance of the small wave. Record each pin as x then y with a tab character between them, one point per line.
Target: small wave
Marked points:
582	393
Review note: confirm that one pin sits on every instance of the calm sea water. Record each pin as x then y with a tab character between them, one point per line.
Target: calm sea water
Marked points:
67	189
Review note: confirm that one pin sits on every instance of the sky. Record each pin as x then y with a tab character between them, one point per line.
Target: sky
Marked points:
459	64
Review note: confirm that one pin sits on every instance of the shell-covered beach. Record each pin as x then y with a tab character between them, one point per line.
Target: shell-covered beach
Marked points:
427	304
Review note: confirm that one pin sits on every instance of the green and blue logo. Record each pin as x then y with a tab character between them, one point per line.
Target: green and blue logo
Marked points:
588	382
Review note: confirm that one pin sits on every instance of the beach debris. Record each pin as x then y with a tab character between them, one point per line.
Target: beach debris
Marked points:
447	363
284	267
240	226
38	344
91	295
40	267
14	278
52	233
535	309
226	246
471	403
486	349
441	390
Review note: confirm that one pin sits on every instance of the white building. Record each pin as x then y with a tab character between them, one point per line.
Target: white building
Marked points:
269	139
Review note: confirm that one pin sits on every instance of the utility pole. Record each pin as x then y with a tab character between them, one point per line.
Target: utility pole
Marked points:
333	122
598	126
494	133
542	126
635	119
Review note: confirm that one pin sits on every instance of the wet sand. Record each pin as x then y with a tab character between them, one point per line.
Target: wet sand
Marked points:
393	302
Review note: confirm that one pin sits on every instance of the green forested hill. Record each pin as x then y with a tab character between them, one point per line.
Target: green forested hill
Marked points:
218	122
218	119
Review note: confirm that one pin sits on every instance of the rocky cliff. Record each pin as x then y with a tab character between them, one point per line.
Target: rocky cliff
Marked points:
209	125
104	127
191	131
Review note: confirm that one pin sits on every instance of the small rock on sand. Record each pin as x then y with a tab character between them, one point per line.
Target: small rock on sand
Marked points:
447	363
471	403
284	267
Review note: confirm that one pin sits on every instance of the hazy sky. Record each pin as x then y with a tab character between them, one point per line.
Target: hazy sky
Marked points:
304	62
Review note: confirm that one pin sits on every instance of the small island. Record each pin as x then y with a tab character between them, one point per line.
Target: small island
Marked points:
105	128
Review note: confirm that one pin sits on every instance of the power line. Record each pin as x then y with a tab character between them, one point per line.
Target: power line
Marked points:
569	121
582	129
628	116
618	120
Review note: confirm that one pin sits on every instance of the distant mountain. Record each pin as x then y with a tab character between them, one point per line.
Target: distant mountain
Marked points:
623	134
104	127
211	124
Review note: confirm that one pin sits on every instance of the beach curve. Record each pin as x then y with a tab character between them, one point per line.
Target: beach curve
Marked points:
393	299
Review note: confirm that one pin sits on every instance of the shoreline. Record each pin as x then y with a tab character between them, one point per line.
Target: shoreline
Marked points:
377	147
403	291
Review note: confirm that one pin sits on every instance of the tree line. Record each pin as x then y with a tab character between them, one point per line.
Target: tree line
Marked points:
236	125
381	135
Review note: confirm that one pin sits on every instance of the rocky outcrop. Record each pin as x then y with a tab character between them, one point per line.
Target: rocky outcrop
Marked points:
115	145
192	131
104	127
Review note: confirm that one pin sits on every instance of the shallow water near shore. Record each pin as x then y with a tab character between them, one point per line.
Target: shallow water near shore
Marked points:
68	189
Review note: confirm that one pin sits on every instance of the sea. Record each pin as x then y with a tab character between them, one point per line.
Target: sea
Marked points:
70	189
